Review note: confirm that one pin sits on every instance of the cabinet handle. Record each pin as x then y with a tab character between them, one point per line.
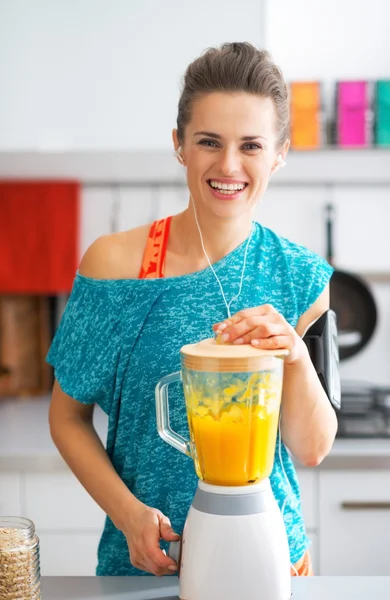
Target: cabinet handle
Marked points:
365	505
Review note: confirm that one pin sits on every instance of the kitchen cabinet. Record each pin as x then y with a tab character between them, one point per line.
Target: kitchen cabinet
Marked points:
68	521
10	497
297	213
57	501
96	213
361	236
172	200
308	482
354	522
72	553
136	206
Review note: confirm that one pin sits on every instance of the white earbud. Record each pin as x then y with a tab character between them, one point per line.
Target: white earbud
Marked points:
281	162
179	155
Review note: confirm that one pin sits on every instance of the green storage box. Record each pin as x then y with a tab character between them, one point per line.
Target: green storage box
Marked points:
382	125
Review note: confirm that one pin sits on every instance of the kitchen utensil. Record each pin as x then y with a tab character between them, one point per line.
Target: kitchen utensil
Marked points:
234	543
352	301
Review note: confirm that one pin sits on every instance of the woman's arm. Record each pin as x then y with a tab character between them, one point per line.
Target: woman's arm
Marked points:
309	422
74	435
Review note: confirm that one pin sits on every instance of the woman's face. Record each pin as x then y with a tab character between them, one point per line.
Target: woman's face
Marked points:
230	151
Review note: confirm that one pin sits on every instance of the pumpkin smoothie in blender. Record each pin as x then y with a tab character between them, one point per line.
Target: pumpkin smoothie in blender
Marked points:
234	431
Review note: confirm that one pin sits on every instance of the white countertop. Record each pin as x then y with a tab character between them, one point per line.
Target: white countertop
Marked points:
25	442
157	588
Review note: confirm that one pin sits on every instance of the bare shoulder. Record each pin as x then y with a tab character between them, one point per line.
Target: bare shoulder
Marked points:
116	256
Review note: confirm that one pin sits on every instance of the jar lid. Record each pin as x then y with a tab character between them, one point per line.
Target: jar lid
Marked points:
209	348
208	355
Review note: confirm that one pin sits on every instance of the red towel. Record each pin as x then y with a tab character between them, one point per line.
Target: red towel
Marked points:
39	233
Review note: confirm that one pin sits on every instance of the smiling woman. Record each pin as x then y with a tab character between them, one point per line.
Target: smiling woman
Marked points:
141	295
225	158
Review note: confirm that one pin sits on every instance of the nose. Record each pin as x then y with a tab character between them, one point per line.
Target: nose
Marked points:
229	162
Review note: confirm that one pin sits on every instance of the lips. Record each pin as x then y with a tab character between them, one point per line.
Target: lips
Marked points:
227	184
226	194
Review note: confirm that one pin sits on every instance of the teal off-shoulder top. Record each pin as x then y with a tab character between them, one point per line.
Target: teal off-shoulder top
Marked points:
117	338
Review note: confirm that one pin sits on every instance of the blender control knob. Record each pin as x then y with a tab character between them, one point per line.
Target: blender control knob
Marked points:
174	551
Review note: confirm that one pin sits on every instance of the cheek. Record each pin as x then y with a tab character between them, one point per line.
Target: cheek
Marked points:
198	167
260	174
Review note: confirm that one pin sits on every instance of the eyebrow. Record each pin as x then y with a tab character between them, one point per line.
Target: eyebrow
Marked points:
246	138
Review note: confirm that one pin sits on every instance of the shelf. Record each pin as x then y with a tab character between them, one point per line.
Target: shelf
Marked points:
376	277
328	166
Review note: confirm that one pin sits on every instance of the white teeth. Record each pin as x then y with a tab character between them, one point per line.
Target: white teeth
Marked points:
227	186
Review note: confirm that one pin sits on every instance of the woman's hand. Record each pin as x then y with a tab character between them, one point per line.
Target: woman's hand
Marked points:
263	327
143	533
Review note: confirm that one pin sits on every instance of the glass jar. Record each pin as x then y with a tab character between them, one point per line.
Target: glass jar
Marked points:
232	395
19	560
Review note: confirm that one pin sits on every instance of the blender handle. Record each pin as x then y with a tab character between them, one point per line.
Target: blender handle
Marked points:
162	411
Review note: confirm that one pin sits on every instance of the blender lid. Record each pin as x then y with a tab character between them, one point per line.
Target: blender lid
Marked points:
209	348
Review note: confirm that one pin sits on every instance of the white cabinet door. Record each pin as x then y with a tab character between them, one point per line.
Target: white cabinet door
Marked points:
96	215
10	500
58	502
172	200
354	523
361	232
308	480
137	206
72	554
297	213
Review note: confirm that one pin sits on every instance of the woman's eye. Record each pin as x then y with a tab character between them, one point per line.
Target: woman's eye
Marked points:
251	146
209	143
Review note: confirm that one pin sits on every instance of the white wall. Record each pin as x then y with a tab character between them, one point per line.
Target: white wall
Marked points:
336	39
105	74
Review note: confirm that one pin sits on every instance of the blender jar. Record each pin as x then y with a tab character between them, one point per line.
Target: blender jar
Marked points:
232	395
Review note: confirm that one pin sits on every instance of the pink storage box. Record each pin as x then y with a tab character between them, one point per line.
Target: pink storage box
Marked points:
353	114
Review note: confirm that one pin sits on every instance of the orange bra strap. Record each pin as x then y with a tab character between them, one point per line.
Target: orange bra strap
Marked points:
155	250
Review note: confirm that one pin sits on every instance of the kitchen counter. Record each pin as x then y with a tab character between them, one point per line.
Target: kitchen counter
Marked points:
26	445
148	588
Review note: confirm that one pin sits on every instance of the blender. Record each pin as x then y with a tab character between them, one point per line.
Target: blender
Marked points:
234	543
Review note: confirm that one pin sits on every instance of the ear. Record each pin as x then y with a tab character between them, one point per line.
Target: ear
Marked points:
281	157
175	139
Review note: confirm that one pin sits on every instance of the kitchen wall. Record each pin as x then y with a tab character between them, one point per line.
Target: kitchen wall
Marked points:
340	39
82	73
105	74
330	41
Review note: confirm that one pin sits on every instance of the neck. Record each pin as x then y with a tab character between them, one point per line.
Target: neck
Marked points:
220	236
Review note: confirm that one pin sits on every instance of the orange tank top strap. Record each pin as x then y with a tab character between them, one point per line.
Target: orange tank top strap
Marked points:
153	262
304	567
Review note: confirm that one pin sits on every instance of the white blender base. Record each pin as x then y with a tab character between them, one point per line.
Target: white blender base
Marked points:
235	557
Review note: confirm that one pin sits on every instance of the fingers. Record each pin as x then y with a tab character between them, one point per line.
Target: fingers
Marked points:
276	342
166	531
252	327
146	553
256	311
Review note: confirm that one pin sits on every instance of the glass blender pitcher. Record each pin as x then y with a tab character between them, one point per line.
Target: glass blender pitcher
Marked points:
232	396
234	543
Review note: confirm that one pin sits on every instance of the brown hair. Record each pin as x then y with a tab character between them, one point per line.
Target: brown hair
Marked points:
235	67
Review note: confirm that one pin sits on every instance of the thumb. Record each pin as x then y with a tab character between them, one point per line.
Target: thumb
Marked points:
166	530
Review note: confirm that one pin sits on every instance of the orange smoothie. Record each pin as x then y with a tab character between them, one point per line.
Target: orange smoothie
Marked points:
235	445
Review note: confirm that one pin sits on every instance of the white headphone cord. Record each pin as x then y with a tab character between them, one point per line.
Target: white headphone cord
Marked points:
212	268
